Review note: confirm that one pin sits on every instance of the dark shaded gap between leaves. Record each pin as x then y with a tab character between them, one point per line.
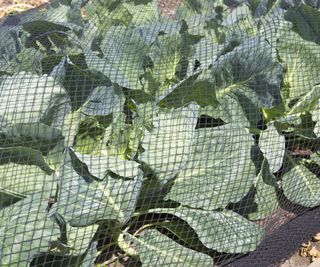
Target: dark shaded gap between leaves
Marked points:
205	121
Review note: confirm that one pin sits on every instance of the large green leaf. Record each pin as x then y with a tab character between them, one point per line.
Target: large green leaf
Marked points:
101	16
191	7
198	24
79	238
90	140
306	21
149	32
53	158
124	56
35	131
58	72
33	135
100	166
300	185
71	127
272	144
74	241
239	22
149	11
224	231
12	42
27	60
26	230
19	181
206	52
104	101
121	138
48	36
315	158
82	203
29	98
154	247
24	155
66	13
197	87
239	109
144	114
166	54
261	8
183	232
265	195
316	118
90	257
172	56
69	71
301	69
168	145
307	102
247	79
220	160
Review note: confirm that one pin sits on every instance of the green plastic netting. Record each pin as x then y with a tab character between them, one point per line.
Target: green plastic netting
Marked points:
157	133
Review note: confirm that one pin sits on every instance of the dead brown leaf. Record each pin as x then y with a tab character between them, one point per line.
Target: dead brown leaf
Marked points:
316	237
305	249
314	252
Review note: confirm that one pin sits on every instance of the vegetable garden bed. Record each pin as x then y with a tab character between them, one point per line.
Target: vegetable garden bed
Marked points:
133	136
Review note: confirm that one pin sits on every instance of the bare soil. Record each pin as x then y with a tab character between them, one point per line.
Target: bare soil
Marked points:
8	7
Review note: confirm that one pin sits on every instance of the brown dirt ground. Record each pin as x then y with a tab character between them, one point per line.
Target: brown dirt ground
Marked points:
167	8
16	6
282	244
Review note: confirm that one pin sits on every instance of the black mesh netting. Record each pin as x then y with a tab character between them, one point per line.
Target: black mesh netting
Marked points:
159	133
